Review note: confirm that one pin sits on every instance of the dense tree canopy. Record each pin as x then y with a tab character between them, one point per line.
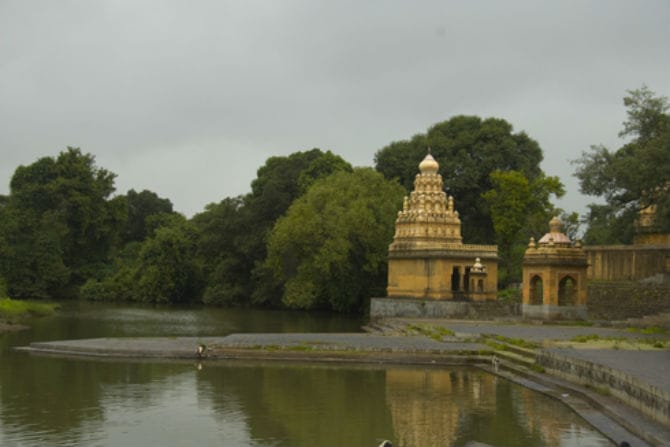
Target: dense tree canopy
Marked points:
58	225
468	149
633	177
162	269
141	207
223	247
281	180
329	251
518	207
313	233
240	273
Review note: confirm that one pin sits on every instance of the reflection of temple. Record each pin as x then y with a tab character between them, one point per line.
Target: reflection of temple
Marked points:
427	258
427	405
437	407
554	276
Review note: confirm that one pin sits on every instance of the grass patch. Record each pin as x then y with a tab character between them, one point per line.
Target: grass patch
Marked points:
509	296
496	346
602	390
434	332
300	348
537	368
581	323
649	330
17	310
654	342
595	337
517	342
598	342
585	338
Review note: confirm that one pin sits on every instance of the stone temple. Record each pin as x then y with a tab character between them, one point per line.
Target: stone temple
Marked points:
428	259
554	276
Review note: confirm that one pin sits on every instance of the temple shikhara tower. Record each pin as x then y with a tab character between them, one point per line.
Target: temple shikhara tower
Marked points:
428	259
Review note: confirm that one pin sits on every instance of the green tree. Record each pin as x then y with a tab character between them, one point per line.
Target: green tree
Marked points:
58	226
571	224
468	149
634	176
279	182
221	248
142	206
518	207
167	270
329	251
162	269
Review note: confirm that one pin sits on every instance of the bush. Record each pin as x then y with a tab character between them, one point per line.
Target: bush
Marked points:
14	310
510	296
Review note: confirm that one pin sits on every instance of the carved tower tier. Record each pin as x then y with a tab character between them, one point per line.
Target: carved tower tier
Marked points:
427	258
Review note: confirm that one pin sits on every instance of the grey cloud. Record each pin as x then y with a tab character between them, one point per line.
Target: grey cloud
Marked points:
189	98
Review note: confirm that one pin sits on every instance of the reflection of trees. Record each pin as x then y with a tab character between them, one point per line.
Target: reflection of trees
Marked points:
287	404
299	405
303	405
61	399
503	424
517	417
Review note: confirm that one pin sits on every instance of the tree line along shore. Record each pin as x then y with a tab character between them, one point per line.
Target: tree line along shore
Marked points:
313	232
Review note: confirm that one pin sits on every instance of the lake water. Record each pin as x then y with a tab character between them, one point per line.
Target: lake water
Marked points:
50	401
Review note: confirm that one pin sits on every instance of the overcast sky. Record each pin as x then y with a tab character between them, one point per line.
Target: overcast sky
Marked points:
189	98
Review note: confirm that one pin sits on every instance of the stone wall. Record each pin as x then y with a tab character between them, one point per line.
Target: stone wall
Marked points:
619	300
418	308
549	312
626	262
653	401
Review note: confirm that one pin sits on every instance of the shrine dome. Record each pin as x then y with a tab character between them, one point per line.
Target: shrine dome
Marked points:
429	165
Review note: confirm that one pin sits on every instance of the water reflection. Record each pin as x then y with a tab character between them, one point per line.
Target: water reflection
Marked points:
54	401
67	402
306	405
447	408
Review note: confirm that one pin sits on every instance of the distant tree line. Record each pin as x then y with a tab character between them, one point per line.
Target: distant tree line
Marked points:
313	232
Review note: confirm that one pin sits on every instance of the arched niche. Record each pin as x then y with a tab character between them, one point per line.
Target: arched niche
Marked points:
566	291
536	293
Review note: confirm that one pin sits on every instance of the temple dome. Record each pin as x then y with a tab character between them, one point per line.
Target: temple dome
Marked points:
429	165
555	235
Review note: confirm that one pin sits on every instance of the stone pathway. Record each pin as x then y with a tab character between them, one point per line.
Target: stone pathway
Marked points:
530	332
185	347
652	367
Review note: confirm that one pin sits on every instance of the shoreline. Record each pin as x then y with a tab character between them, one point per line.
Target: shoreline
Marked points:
612	417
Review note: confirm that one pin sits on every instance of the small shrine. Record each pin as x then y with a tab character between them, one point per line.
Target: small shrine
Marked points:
554	276
427	259
646	232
